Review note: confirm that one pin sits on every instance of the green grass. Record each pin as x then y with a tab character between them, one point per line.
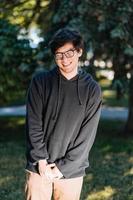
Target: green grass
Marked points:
12	148
109	177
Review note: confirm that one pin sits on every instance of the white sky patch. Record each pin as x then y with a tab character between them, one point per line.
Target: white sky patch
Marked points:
34	37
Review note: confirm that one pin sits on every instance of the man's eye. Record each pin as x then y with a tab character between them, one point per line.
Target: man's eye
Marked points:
69	52
58	55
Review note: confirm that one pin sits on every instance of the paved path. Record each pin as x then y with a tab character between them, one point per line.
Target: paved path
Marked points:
107	112
114	113
13	111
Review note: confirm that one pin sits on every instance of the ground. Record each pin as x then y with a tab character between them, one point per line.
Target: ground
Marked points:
109	177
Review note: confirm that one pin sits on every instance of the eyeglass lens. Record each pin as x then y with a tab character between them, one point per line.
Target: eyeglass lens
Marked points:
68	54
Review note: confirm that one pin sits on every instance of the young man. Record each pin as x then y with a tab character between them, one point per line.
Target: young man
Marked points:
63	109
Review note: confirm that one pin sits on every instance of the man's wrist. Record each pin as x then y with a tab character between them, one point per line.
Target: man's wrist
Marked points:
42	161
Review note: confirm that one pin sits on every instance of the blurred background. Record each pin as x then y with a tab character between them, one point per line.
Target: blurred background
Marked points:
26	27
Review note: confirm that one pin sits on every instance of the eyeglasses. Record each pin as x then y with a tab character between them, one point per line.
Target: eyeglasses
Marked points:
68	54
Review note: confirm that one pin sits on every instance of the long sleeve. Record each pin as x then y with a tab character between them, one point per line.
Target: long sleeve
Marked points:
36	148
76	157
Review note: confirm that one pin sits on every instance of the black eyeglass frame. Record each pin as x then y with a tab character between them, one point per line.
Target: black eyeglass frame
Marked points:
64	53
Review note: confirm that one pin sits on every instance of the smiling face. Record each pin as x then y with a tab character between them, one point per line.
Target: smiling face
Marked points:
67	61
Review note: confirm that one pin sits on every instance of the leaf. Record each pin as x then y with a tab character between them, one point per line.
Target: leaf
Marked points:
118	32
129	51
24	67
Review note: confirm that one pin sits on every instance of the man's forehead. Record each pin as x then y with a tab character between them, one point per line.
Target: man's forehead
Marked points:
67	46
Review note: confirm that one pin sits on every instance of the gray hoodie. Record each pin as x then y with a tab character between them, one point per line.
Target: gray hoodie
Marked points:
61	121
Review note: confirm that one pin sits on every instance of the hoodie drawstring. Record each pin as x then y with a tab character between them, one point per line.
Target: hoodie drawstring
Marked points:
78	92
58	99
59	93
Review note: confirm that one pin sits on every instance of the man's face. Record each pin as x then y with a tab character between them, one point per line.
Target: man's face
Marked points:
67	57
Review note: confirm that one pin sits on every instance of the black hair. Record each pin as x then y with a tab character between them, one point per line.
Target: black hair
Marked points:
65	35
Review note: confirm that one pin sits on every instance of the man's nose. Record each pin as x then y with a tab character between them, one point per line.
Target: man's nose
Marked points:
64	57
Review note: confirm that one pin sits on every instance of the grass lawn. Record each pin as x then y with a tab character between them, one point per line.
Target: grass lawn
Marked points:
110	176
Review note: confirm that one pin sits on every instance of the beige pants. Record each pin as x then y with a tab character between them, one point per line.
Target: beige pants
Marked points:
38	188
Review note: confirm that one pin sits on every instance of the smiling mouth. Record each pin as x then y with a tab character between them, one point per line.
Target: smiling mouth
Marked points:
67	65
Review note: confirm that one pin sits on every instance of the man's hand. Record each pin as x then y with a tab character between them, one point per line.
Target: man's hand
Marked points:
49	170
57	173
52	172
42	167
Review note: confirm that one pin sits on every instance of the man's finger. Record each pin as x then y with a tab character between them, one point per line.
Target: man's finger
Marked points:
51	165
41	173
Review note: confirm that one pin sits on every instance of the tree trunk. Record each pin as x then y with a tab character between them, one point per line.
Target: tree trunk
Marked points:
129	124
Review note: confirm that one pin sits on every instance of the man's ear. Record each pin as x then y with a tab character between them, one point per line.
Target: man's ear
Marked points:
80	52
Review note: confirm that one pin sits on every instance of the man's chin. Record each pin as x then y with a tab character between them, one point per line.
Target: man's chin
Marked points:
67	69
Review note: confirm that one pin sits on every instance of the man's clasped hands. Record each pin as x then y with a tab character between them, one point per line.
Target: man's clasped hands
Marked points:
50	171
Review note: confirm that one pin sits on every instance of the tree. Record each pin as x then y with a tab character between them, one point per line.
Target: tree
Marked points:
19	61
16	63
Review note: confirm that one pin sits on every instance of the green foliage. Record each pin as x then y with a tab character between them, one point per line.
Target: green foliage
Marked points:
129	51
15	62
28	12
18	62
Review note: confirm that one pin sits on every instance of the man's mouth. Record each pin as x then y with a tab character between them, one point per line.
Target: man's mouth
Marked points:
67	65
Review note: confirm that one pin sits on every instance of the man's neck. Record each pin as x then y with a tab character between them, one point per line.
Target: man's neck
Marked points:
69	75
